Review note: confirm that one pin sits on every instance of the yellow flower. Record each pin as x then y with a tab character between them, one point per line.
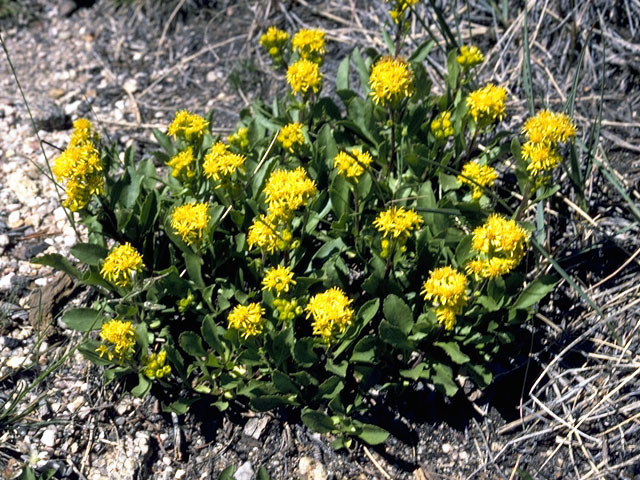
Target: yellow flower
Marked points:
548	127
400	6
391	80
264	234
190	222
83	132
487	103
239	138
80	167
304	76
501	245
248	320
220	163
540	157
477	177
331	313
470	56
352	164
273	41
446	288
397	222
278	280
181	164
291	137
441	125
187	125
121	265
309	44
120	339
288	190
154	365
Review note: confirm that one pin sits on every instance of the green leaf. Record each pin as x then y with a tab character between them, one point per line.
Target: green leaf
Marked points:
330	388
415	372
227	473
442	378
283	383
192	344
339	194
365	349
83	319
342	75
143	387
210	334
58	262
393	336
361	68
535	291
193	263
317	421
89	253
372	434
262	474
398	313
303	352
165	142
453	350
264	403
339	369
480	374
422	51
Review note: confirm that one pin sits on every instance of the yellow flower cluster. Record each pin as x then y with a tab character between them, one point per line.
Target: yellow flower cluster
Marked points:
353	163
397	222
304	77
309	44
477	177
269	234
470	56
501	245
274	40
154	366
79	166
391	80
287	309
120	339
190	222
291	137
441	126
399	7
488	103
544	131
288	190
278	280
331	313
446	288
220	163
121	265
247	319
182	164
187	125
239	138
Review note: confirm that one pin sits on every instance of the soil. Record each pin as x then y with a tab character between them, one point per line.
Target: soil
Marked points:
566	407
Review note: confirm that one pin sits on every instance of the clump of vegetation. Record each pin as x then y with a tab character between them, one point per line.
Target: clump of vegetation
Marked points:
328	250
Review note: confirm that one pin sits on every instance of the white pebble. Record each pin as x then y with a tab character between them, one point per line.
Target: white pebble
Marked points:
48	438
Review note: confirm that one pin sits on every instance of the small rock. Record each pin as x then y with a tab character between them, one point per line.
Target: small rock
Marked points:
245	472
59	214
76	403
212	76
130	85
50	117
16	361
56	93
255	426
4	240
446	448
49	438
464	456
14	220
311	469
179	474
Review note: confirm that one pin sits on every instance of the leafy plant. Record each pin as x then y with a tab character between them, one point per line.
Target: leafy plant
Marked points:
333	247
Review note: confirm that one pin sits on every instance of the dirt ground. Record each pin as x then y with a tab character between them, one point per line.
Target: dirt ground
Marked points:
567	407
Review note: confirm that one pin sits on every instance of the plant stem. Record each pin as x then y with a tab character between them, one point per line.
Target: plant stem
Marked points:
356	208
392	160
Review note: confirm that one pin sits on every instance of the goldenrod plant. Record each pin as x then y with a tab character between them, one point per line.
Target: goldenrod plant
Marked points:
331	247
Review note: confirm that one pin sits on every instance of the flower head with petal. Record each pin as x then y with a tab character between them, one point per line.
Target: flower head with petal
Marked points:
189	126
304	77
397	222
190	222
352	164
390	81
247	319
118	340
122	265
487	103
278	280
331	313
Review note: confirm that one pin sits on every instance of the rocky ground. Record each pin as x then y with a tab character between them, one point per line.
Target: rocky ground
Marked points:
570	409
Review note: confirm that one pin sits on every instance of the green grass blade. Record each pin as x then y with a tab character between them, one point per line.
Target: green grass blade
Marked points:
526	64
